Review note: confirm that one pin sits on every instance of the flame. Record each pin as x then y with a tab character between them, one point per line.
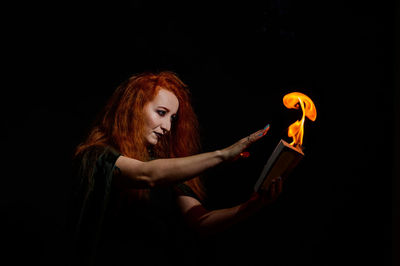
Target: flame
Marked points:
294	100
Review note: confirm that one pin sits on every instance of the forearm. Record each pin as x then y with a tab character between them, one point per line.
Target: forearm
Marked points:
210	222
163	171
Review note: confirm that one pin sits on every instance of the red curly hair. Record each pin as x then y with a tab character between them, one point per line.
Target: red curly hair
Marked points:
121	124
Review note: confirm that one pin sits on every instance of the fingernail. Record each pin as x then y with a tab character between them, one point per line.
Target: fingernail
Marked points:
245	154
265	130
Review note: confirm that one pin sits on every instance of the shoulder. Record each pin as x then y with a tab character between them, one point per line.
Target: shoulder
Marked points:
97	153
95	160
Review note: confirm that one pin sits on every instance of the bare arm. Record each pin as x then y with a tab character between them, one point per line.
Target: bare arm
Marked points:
207	222
138	174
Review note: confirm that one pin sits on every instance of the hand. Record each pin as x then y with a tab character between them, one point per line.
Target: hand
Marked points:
268	196
233	152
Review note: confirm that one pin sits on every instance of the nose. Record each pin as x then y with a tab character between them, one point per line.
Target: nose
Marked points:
166	126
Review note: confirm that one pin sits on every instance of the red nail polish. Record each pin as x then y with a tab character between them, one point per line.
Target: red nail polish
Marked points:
245	154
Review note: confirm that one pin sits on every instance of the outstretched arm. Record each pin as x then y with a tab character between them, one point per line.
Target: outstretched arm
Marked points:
138	174
207	222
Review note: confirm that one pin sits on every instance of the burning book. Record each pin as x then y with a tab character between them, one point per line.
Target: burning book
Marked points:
286	156
281	162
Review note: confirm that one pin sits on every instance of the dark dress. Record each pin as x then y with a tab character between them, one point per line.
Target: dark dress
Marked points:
109	231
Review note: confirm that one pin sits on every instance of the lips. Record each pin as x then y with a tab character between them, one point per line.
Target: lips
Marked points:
159	135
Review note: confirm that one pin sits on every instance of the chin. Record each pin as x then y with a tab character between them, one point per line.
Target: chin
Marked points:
152	141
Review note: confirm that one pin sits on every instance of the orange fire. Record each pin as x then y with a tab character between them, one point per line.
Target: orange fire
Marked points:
295	100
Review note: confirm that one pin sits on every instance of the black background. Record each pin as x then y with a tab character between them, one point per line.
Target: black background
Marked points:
62	61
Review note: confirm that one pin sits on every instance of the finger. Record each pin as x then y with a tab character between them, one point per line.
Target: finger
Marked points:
272	189
280	184
254	136
259	134
265	130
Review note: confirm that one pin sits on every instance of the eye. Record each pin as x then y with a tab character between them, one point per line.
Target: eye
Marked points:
173	118
161	112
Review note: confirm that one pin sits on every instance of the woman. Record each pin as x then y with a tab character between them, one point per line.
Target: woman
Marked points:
138	167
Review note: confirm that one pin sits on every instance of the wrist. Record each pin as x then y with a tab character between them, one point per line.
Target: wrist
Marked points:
221	155
255	201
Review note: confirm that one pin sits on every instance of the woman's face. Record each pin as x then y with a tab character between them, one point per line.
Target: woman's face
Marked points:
158	115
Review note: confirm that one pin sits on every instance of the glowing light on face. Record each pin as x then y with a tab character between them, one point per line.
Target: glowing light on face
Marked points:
296	100
159	114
